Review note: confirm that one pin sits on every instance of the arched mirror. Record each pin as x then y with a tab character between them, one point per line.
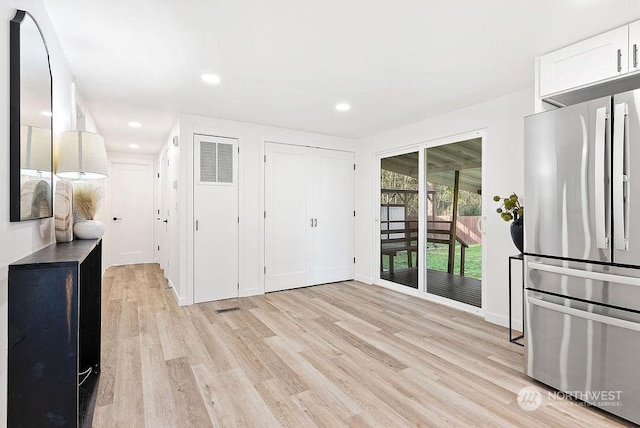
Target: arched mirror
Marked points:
30	118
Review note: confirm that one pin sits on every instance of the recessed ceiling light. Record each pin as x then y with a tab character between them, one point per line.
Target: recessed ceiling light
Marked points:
46	113
134	146
211	78
135	124
343	107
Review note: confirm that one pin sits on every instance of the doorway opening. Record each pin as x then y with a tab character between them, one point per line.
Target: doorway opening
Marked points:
454	210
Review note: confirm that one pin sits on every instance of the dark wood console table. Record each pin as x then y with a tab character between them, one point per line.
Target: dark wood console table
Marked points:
54	335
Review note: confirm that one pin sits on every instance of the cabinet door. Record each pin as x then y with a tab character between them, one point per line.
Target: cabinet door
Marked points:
332	257
42	347
634	46
590	61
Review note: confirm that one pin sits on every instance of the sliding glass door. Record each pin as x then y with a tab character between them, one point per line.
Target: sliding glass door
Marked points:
454	209
399	219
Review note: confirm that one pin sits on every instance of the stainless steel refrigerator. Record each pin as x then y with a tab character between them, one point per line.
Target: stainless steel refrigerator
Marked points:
582	251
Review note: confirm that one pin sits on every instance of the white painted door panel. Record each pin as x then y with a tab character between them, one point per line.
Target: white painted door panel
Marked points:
332	257
590	61
132	218
288	222
216	218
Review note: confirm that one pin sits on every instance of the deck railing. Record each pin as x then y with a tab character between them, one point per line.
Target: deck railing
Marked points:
405	238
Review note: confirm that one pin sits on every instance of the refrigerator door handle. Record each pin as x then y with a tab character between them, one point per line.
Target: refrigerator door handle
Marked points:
600	175
586	274
619	178
617	322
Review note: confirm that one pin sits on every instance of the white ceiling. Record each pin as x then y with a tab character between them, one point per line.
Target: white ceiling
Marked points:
287	63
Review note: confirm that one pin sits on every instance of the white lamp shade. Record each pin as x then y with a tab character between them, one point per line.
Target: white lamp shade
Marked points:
35	150
81	155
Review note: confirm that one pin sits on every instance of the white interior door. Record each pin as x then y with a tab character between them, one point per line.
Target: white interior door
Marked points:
288	222
308	216
216	218
333	201
132	216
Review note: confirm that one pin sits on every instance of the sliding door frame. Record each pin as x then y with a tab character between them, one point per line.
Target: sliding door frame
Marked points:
422	226
376	224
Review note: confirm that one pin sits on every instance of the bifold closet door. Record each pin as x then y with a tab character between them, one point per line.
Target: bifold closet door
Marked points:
215	218
308	216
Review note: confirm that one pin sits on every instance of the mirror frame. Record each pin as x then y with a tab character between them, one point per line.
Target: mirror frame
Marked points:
14	116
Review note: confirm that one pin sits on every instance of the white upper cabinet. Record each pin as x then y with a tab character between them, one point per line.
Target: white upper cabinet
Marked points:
599	58
634	46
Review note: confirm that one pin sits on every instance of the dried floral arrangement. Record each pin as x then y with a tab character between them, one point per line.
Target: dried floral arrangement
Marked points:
86	200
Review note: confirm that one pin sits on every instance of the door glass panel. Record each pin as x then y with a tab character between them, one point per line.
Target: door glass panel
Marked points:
399	219
454	242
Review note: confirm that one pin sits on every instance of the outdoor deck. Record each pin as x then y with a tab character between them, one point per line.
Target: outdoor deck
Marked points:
455	287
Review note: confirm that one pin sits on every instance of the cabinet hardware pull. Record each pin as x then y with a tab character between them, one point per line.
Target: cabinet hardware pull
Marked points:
635	55
619	60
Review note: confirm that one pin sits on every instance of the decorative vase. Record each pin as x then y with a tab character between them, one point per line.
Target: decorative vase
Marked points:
88	229
517	233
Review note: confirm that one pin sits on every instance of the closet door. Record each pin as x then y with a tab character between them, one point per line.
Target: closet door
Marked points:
333	202
216	236
288	222
308	216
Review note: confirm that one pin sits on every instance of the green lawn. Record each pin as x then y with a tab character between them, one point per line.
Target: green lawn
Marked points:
437	260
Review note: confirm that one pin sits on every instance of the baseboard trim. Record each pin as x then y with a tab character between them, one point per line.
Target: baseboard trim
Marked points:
181	301
251	292
503	321
365	279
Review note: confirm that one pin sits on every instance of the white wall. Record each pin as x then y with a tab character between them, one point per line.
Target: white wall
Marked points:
251	187
503	121
20	239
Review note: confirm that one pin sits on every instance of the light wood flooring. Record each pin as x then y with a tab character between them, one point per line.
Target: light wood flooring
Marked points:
343	354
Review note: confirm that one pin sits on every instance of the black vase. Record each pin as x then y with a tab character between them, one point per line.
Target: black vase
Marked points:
517	233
